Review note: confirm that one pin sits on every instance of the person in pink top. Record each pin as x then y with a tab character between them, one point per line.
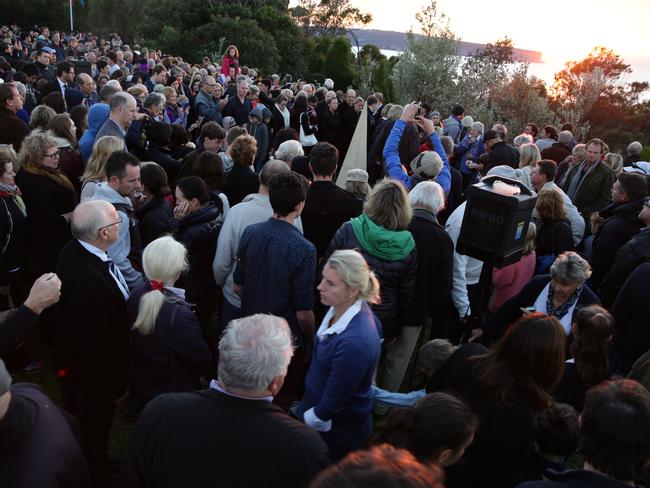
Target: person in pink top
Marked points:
509	280
230	60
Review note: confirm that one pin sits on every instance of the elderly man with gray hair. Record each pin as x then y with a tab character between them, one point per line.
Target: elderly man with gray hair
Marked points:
289	150
561	149
230	434
633	151
91	336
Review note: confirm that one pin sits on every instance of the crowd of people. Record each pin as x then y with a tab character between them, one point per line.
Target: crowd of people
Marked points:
174	238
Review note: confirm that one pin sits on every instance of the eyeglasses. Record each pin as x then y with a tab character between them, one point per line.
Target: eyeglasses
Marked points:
54	155
111	225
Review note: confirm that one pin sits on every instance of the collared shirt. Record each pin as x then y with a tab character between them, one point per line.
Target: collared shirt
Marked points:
62	86
214	384
114	270
341	324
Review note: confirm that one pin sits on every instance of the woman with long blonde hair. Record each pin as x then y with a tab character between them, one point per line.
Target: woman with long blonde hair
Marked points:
96	167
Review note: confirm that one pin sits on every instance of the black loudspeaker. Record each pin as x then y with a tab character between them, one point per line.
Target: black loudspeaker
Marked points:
495	225
82	67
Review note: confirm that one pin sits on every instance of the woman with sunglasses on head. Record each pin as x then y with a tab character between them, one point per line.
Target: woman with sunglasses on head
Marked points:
49	198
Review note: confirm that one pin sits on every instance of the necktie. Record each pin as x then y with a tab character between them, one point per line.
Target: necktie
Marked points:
117	275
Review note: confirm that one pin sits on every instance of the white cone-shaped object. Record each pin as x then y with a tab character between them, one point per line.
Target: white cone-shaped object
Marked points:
357	156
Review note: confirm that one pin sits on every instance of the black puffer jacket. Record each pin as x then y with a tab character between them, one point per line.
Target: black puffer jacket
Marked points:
628	257
621	224
154	219
397	280
199	233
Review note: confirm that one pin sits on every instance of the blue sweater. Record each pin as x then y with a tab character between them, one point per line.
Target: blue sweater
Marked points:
394	167
341	372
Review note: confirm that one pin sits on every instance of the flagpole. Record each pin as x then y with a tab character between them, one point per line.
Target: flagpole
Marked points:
71	21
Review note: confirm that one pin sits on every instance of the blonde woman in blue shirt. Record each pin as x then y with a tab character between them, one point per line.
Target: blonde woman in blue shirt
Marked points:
338	398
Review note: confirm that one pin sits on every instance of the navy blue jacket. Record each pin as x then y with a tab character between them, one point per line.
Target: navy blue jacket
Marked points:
173	356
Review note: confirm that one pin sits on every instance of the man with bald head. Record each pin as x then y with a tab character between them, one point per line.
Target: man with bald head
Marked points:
348	119
85	94
91	336
205	104
253	209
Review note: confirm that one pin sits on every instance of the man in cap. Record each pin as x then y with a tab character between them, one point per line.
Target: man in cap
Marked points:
499	153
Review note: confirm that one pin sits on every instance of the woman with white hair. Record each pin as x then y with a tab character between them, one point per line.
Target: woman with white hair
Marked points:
337	400
561	294
168	352
289	150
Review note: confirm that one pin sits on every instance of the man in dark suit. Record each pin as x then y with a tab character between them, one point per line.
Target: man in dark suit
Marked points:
327	206
91	338
231	434
63	80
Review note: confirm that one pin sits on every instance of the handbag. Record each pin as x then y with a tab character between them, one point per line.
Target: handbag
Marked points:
307	140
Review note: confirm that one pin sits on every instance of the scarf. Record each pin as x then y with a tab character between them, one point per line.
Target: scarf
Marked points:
12	191
55	175
387	245
562	310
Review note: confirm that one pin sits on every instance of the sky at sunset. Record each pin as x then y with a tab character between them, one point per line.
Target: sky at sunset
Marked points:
561	30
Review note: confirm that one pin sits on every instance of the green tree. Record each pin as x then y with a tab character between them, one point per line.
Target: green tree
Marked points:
521	99
26	13
329	17
427	69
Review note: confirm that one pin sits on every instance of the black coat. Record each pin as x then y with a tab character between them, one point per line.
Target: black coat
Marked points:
631	332
210	439
277	121
627	259
435	267
13	235
496	325
155	219
238	110
159	154
173	356
500	153
199	232
46	202
240	181
553	237
408	148
91	340
621	224
34	428
557	152
505	434
329	129
327	207
16	324
455	196
397	280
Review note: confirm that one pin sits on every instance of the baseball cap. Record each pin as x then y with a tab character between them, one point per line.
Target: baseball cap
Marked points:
357	174
427	163
47	50
640	167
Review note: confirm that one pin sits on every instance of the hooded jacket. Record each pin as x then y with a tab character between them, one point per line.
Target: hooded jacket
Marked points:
97	115
261	134
393	258
128	248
